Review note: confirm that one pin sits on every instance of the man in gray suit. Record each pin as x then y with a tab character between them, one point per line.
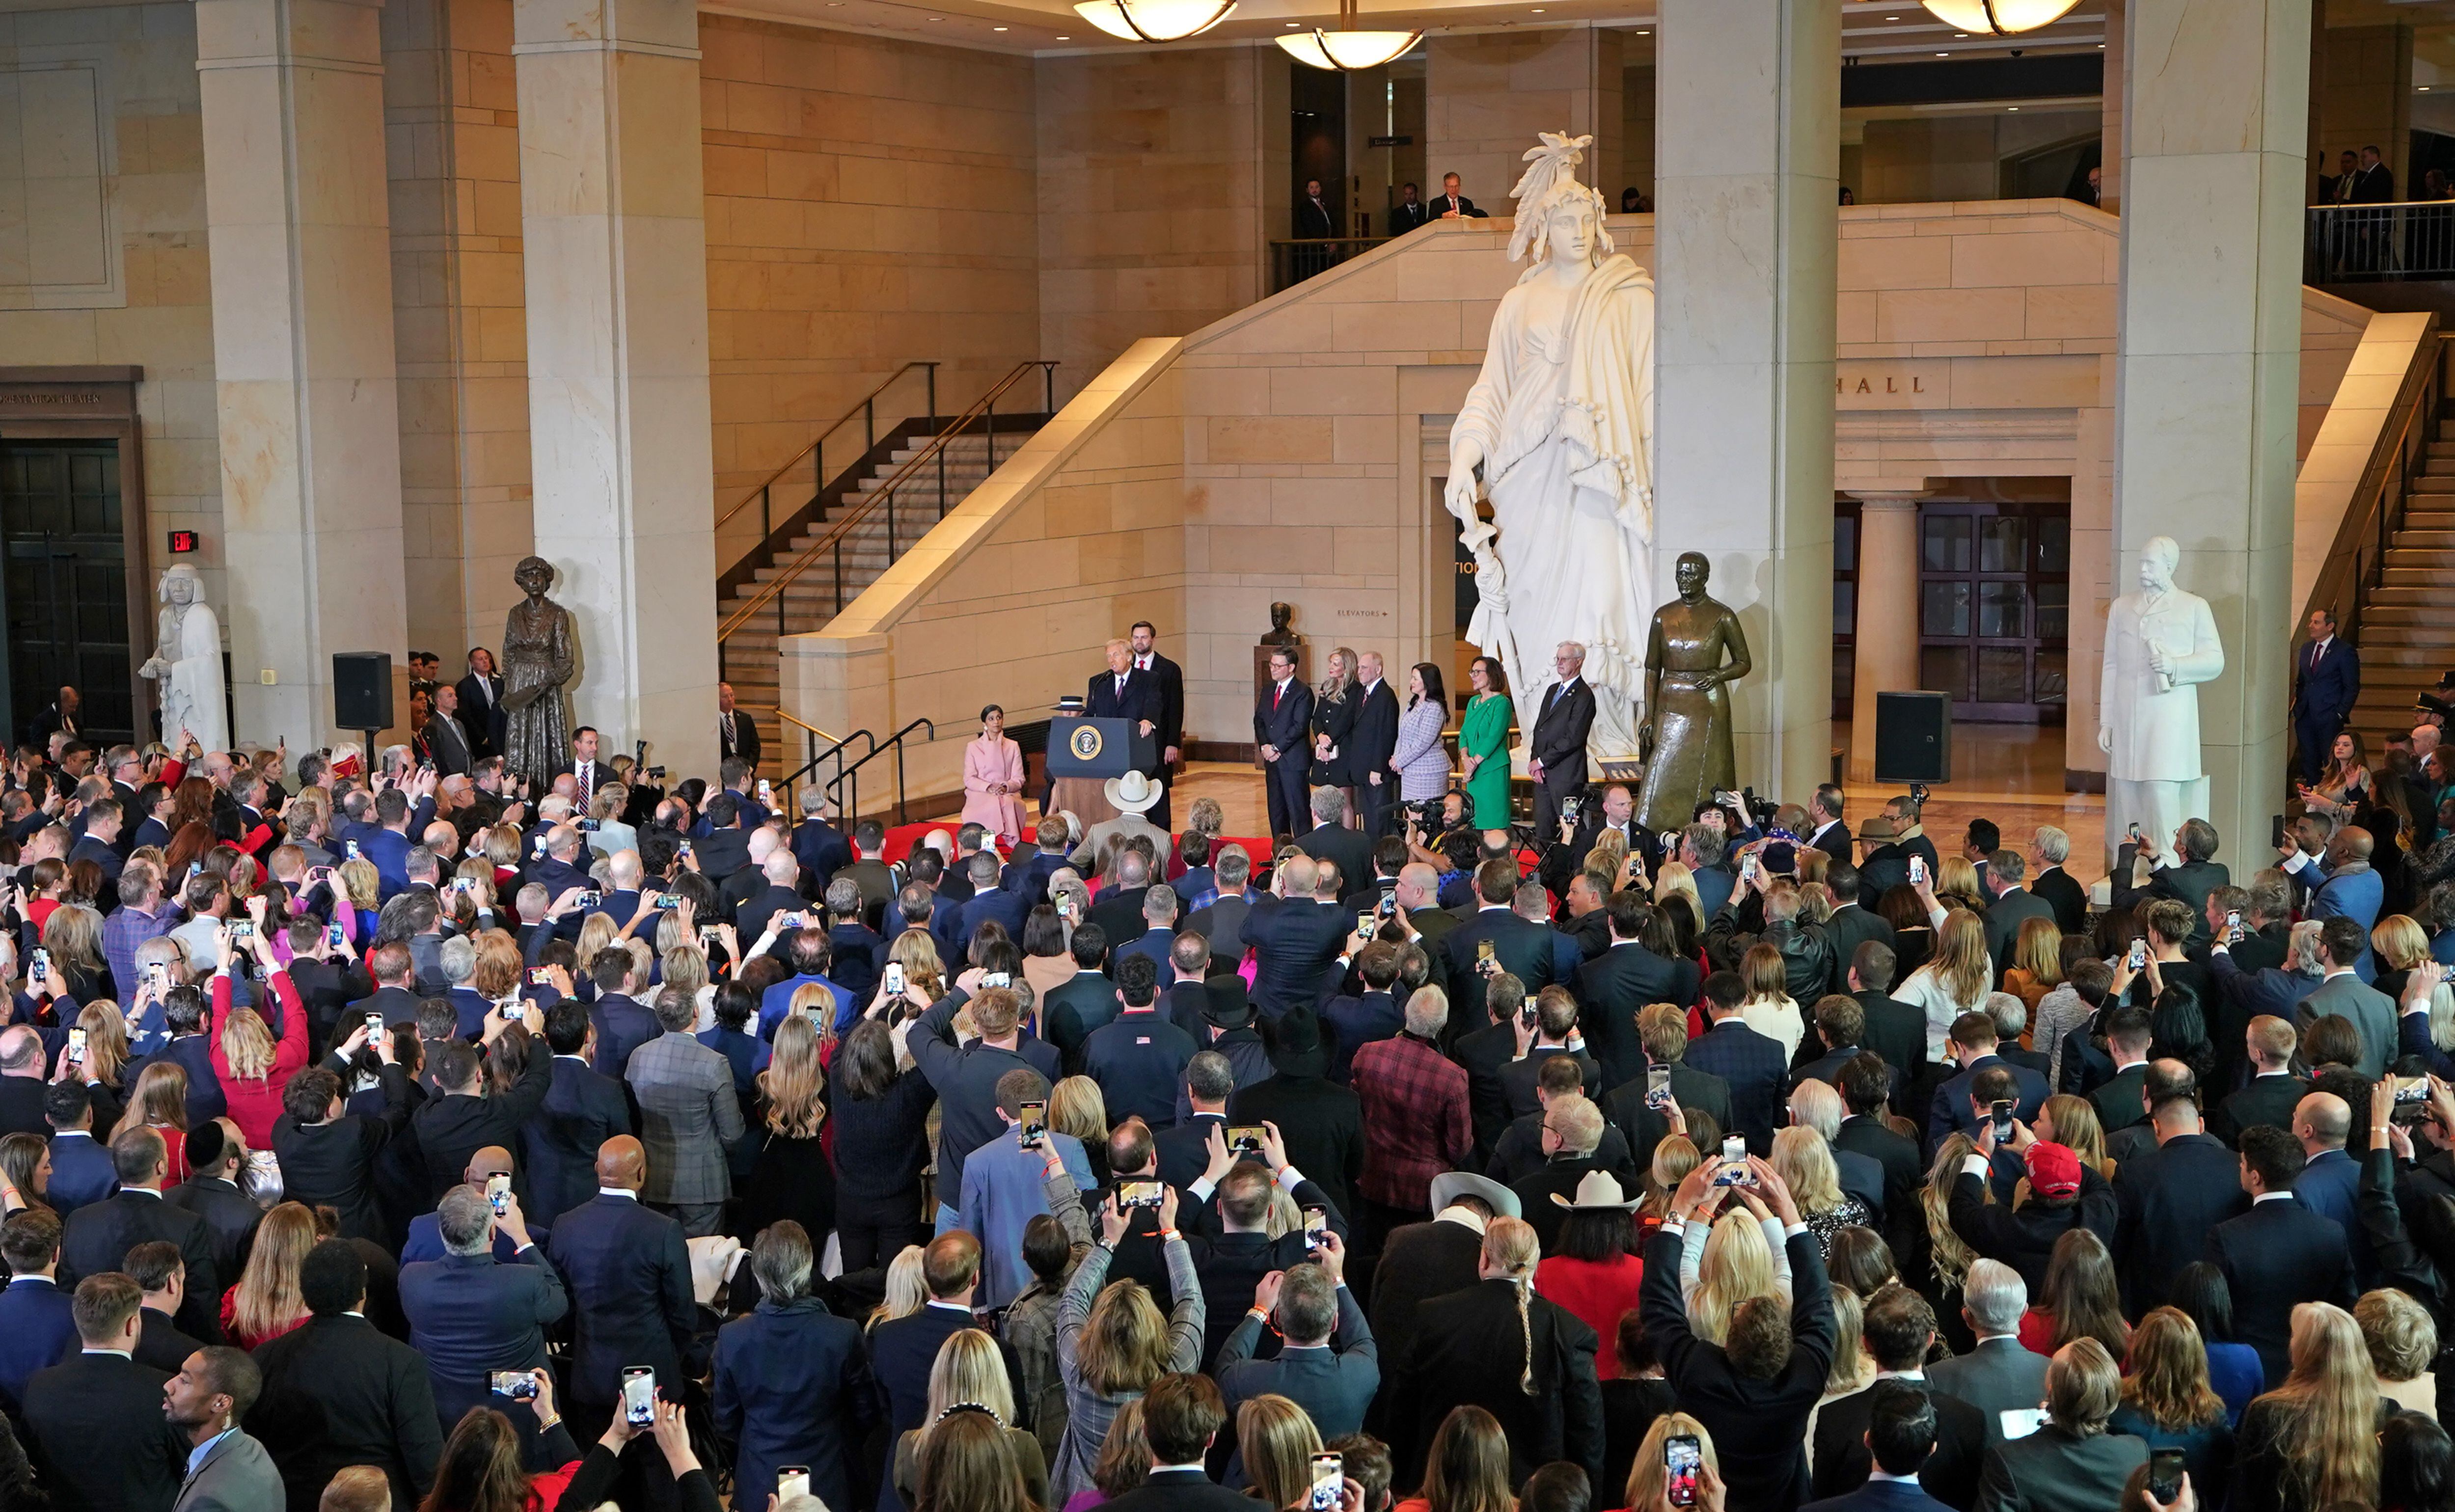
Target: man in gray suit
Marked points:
688	1115
2343	994
2011	905
2000	1374
228	1471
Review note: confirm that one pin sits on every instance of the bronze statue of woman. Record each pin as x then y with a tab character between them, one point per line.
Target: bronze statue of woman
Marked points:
1687	712
537	661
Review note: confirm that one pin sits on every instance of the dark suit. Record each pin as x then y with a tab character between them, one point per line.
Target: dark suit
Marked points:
452	1128
1878	1495
447	746
231	1220
100	1235
743	742
36	1332
1757	1072
2170	1200
1369	745
1322	1125
1694	1091
1904	1175
1519	947
1559	744
1458	204
1949	1112
338	1393
1405	217
1350	850
2274	1257
2011	908
1459	1356
2069	899
1180	1491
1283	720
1418	1261
1296	942
481	713
1950	1474
792	1386
161	1345
2325	685
2268	1097
1614	988
582	1110
97	1437
1139	699
1315	220
901	1355
1851	926
630	1282
469	1316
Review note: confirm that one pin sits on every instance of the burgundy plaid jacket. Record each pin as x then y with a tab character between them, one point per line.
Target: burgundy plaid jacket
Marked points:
1416	1122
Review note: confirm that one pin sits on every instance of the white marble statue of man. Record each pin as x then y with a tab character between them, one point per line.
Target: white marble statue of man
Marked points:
187	662
1560	421
2160	643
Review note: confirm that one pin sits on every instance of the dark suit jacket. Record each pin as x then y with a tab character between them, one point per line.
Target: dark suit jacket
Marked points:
2170	1200
623	1024
161	1345
231	1220
451	1129
1694	1091
1375	739
745	738
1850	927
901	1353
631	1297
1322	1125
1295	941
1140	699
1418	1261
1443	204
1949	1112
1950	1474
1169	679
1559	738
1904	1175
1350	849
2324	693
338	1393
481	713
1289	726
1757	1072
2278	1255
100	1235
1405	217
2052	1469
2070	900
2269	1098
1519	946
97	1437
471	1316
559	1143
36	1332
792	1386
1181	1491
1895	1031
2013	907
447	746
1457	1357
1614	988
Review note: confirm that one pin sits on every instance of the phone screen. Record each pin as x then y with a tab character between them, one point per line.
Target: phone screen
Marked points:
1483	952
2001	1111
335	935
2139	957
375	1025
1034	1124
894	979
1316	1224
1682	1459
2165	1474
792	1480
1733	1170
499	1192
518	1384
639	1395
1138	1194
2134	833
1917	868
1364	922
76	1046
1245	1138
1657	1086
1329	1477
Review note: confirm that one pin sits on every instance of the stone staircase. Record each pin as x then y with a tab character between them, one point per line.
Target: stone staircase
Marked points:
2407	631
812	600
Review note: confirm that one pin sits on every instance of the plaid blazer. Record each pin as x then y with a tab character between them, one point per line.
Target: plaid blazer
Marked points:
688	1113
1416	1120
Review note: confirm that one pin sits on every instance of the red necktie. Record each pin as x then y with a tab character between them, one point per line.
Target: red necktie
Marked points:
1276	693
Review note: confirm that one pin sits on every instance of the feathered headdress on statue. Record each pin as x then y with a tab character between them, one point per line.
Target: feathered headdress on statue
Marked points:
1551	176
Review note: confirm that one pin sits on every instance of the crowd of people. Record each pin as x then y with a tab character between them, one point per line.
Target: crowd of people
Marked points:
373	1136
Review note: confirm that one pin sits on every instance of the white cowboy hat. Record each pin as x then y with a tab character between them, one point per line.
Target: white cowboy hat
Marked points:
1599	1189
1134	793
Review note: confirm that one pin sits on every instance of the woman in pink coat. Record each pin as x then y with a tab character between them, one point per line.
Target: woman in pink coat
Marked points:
993	778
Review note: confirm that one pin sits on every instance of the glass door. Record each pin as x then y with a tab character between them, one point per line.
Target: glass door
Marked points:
1993	609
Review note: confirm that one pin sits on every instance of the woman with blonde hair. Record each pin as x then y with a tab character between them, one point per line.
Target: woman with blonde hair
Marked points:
1956	884
1336	700
969	1377
2168	1402
1735	1260
814	1003
1467	1468
1647	1483
106	1042
2037	963
2402	1341
1852	1369
684	965
1806	1165
253	1069
1077	1106
1770	1010
1673	880
159	1102
969	1465
357	899
2401	944
1112	1343
2079	1299
266	1303
791	1178
1673	1157
2313	1441
502	851
924	976
73	937
1278	1441
2070	1121
907	1290
1955	981
1949	1255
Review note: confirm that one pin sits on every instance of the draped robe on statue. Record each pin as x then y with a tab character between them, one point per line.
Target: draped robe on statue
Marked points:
1564	413
192	691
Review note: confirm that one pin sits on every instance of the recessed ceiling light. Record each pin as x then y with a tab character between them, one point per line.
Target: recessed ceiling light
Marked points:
2014	107
1961	36
1943	54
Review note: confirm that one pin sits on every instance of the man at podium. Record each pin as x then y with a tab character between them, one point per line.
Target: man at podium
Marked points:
1126	692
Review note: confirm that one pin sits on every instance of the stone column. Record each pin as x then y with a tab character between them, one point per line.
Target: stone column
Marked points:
1747	179
2209	360
307	413
614	253
1884	645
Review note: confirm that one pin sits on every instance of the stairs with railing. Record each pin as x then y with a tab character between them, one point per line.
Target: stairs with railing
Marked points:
828	536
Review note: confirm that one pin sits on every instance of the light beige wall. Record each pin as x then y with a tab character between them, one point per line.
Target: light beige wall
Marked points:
869	202
1154	168
153	305
1953	157
1488	93
2364	79
451	152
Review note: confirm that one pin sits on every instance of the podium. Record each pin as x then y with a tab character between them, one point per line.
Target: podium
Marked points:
1085	753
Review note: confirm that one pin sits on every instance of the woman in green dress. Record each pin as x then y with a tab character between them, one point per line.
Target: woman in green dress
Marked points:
1483	745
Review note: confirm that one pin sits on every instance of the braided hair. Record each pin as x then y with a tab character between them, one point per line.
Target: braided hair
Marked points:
1510	1248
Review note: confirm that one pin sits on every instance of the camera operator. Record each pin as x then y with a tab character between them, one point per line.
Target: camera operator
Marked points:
1440	837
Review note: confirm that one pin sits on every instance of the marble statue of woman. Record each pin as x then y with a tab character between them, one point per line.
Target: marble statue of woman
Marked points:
537	661
187	662
1560	423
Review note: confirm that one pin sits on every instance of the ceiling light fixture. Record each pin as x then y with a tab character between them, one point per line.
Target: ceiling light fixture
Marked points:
1154	20
1344	47
2003	17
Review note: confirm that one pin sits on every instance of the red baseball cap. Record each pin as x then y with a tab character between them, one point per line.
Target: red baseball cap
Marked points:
2054	1169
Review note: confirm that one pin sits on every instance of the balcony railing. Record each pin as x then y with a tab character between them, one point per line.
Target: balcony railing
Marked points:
1293	262
2400	243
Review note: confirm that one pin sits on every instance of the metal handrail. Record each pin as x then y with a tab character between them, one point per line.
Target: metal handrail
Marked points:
982	411
893	742
836	751
866	406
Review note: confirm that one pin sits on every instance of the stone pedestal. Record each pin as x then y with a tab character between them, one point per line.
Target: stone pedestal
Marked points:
1884	644
1747	186
305	391
614	252
2209	356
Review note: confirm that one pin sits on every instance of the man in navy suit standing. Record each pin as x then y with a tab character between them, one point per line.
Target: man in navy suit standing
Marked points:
1557	752
2326	680
1753	1064
1371	743
1168	680
902	1352
1282	716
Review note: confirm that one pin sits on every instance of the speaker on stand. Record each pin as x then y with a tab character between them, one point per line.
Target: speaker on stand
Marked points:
1914	739
362	696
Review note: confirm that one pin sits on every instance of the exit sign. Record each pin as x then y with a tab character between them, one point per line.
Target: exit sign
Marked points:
182	542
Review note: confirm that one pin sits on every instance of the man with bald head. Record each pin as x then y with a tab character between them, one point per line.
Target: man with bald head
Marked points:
778	874
2330	1181
1298	940
629	1275
22	1086
426	1236
2344	886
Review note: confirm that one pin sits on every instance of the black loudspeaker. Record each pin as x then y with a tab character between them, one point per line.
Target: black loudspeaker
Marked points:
363	689
1913	737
